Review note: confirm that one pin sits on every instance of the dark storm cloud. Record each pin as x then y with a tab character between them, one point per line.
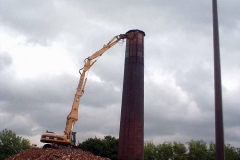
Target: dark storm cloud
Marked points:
29	104
43	26
29	91
41	21
100	120
165	108
103	93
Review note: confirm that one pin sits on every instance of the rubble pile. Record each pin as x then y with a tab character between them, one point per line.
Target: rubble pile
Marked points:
54	154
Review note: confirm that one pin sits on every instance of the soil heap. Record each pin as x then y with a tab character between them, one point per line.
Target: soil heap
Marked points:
55	154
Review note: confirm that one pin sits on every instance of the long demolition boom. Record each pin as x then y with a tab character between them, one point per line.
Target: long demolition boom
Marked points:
73	115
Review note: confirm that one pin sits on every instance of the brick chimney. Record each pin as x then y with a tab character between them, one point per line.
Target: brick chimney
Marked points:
131	134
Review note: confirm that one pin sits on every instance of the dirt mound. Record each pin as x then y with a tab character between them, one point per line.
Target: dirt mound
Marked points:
54	154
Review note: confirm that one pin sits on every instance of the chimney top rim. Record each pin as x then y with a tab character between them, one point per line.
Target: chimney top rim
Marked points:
136	30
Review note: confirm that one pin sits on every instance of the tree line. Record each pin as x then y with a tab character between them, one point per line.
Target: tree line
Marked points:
11	144
193	150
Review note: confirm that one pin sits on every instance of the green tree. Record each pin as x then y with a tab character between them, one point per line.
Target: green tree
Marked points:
231	153
165	151
107	147
11	144
150	151
112	147
197	150
211	151
179	151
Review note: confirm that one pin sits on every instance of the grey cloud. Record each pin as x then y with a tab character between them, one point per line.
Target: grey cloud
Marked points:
41	21
100	94
48	89
43	27
198	83
5	60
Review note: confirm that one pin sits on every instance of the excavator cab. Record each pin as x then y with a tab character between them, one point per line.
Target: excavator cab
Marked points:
73	139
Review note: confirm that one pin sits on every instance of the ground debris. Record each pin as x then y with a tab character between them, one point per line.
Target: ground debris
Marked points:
55	154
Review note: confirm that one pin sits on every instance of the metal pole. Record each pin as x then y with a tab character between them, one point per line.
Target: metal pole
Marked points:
219	133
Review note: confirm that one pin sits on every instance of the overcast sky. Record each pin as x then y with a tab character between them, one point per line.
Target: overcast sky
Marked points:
43	44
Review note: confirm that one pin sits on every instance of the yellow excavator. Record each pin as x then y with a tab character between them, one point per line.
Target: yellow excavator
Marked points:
68	139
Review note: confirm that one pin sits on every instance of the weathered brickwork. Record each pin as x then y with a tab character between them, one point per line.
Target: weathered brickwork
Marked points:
131	135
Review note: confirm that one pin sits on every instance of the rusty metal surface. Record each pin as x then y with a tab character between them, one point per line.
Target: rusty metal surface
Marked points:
55	154
131	135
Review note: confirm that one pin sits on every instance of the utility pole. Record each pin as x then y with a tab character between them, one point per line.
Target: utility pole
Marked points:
219	132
